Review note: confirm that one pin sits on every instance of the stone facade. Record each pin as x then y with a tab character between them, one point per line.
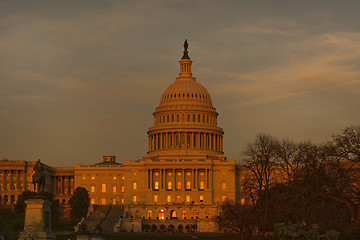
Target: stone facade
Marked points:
184	176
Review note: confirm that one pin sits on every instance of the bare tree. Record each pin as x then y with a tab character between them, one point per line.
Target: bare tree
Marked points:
260	167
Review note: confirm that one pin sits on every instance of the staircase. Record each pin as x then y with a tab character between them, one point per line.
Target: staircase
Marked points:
95	218
112	218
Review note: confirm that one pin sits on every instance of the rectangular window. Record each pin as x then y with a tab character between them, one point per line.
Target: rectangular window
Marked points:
92	188
103	187
114	178
187	198
169	198
114	189
155	198
134	185
114	202
122	201
103	201
134	199
92	201
122	189
201	198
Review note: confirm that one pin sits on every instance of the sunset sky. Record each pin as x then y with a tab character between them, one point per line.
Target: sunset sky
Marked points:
81	79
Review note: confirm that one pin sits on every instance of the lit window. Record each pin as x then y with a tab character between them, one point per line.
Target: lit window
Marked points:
114	178
184	215
201	198
134	174
103	201
83	178
223	185
92	178
134	199
179	185
178	199
149	214
92	188
179	173
155	198
187	198
156	185
114	189
122	188
134	185
243	201
103	187
92	201
169	198
169	185
122	201
188	185
156	173
202	185
188	173
161	214
169	173
114	202
223	198
201	173
123	178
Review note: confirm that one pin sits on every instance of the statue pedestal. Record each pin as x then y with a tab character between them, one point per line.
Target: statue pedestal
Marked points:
37	220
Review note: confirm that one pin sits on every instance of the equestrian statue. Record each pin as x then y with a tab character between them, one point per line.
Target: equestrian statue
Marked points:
39	177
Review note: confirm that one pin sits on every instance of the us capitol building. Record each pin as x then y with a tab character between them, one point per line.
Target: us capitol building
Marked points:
184	177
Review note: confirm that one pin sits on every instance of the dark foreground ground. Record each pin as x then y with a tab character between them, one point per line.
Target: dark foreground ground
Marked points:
153	236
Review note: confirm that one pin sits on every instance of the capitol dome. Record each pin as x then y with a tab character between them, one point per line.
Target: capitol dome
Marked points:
185	119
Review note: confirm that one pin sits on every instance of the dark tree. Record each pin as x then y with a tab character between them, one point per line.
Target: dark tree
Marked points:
261	174
238	218
79	203
342	172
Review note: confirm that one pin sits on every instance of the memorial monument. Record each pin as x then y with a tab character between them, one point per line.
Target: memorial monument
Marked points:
37	213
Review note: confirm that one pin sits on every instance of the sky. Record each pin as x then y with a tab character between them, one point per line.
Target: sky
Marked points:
81	79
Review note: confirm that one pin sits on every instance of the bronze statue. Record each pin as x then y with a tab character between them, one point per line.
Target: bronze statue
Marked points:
39	177
186	55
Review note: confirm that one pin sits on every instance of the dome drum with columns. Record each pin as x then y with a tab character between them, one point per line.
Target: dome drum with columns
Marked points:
185	122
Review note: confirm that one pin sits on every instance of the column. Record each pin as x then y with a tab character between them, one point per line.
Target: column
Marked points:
207	178
11	180
62	184
69	192
194	185
173	140
161	178
4	179
56	185
18	185
151	178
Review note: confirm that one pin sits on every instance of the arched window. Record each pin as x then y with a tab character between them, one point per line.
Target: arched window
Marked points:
184	215
188	185
169	185
173	214
161	214
103	187
156	185
149	214
196	214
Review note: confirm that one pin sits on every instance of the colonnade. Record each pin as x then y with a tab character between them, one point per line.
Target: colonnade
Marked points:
64	184
13	180
185	140
195	177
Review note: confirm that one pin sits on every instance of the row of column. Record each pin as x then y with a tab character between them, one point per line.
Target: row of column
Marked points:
191	118
64	184
186	140
13	180
194	178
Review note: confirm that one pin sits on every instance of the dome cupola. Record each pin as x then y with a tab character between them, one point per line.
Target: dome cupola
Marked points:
185	120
